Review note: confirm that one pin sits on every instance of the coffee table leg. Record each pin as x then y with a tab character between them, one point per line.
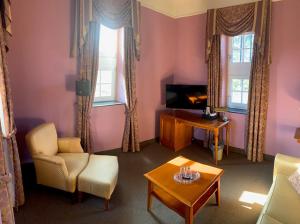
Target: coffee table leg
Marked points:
217	193
149	198
189	215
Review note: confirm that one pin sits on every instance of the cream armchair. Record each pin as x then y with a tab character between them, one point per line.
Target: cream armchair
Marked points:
57	161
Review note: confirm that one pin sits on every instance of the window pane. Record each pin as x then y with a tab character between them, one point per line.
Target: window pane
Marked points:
247	55
97	91
245	98
236	56
246	85
236	97
106	90
108	41
236	85
248	41
236	42
106	76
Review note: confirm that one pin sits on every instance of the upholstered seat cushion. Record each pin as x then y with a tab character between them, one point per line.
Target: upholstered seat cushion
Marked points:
67	145
282	197
100	176
75	163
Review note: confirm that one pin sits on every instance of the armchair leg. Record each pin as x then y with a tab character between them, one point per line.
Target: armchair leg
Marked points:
106	204
79	196
74	197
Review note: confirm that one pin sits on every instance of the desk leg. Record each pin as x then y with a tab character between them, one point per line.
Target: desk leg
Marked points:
149	198
189	215
206	141
227	138
216	135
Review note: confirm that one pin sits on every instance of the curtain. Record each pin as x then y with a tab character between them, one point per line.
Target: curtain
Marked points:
130	136
6	19
229	21
114	14
10	168
214	73
232	21
259	87
89	60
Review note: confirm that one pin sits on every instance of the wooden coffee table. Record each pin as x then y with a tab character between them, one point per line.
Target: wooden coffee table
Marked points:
184	199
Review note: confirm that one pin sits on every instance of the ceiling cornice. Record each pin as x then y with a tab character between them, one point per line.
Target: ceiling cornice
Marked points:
184	8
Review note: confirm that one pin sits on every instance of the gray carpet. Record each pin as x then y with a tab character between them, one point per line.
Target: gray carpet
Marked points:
128	203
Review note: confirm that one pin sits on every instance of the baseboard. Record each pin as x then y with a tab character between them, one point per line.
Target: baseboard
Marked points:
143	144
238	150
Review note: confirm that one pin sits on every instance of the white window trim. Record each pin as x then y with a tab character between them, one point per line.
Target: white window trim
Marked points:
230	91
113	83
105	67
242	65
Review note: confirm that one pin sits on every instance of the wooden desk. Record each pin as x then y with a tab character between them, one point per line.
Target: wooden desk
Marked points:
297	135
185	199
176	129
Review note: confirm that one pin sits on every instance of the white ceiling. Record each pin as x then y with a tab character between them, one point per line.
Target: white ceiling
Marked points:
183	8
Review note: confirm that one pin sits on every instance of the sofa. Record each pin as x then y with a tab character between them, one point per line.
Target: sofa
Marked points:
283	202
57	161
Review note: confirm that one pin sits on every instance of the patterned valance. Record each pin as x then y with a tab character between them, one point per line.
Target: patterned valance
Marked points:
6	15
235	20
111	13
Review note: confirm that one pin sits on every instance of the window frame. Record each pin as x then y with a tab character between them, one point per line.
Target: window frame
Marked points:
104	65
239	106
241	65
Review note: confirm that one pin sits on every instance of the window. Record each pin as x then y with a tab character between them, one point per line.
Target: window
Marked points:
242	49
240	53
106	79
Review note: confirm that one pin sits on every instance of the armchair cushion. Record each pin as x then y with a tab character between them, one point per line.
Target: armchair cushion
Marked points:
43	140
69	145
295	180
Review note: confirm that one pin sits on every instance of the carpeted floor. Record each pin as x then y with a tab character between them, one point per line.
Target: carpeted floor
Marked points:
128	204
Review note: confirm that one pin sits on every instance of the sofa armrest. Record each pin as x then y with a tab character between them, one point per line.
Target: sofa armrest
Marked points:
69	145
285	165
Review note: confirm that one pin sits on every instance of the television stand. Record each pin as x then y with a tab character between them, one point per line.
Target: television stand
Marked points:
176	129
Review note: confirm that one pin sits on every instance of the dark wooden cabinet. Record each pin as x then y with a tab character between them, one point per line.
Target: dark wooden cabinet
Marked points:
174	134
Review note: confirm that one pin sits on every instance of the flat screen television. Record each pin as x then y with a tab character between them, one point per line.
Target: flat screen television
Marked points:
186	96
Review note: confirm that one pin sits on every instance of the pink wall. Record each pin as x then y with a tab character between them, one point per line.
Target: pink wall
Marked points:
284	98
158	52
43	75
155	66
190	67
40	66
284	95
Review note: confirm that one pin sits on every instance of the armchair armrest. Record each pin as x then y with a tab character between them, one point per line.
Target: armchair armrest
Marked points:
51	171
69	145
55	162
285	165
